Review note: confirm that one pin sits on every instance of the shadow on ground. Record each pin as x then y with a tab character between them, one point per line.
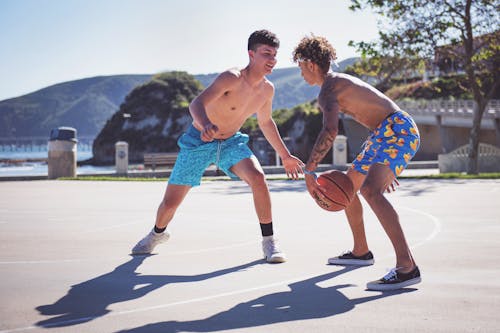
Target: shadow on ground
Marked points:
239	187
89	300
305	300
408	187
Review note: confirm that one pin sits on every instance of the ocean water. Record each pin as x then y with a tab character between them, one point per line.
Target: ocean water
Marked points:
41	168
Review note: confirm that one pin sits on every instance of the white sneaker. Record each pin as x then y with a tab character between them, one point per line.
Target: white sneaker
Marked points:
148	243
271	251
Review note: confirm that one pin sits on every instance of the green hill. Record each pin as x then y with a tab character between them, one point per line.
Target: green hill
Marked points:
87	104
83	104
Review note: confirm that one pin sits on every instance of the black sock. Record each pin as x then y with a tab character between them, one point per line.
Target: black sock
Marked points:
159	230
267	229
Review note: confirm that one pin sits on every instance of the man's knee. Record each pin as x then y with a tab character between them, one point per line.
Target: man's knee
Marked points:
255	178
368	191
250	171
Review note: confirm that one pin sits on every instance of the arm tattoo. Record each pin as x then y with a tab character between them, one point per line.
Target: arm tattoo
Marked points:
321	147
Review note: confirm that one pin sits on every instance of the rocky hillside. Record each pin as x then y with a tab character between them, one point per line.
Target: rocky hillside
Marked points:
88	103
156	113
299	125
151	119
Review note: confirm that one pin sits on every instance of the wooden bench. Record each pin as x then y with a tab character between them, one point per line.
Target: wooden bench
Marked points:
154	160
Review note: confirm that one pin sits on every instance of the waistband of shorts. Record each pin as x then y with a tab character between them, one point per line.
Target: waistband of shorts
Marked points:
392	114
399	112
192	130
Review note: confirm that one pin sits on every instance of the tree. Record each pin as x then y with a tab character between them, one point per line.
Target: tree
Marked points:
466	29
151	119
383	69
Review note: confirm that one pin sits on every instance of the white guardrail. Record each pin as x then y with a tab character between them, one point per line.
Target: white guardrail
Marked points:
457	108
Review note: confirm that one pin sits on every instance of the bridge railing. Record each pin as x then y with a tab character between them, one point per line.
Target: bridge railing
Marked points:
455	108
37	144
38	139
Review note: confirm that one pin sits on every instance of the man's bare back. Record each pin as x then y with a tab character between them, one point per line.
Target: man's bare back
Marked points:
232	99
364	103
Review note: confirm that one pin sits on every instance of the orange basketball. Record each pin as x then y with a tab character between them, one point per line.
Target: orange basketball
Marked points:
337	188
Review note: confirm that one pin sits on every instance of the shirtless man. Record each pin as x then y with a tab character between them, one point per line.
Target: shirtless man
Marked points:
214	138
393	141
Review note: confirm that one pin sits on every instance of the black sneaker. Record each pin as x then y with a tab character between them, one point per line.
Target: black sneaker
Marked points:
395	280
347	258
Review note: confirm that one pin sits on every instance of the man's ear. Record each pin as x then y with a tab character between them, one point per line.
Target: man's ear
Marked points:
251	54
312	66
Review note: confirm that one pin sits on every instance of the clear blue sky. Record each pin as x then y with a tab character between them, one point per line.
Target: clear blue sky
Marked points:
44	42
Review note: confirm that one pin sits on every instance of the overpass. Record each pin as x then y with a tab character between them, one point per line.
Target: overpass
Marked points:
458	113
444	126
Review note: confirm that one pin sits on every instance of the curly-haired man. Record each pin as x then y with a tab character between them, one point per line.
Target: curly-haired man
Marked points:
393	141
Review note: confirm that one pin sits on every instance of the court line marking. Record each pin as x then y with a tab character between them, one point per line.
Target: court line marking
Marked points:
432	235
110	227
57	261
435	231
36	262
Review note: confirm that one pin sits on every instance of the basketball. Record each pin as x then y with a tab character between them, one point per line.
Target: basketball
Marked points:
337	188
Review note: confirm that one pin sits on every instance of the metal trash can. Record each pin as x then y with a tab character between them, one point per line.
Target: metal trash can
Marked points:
340	151
62	153
121	157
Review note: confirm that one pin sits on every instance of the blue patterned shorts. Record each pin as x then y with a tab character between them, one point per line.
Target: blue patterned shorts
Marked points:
394	143
196	155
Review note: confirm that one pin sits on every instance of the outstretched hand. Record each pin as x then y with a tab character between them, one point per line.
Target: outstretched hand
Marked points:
293	167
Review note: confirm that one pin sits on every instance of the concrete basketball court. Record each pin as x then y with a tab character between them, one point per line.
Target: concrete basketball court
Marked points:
65	263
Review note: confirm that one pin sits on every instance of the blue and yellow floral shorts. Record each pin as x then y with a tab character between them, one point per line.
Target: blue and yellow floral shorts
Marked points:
394	143
196	155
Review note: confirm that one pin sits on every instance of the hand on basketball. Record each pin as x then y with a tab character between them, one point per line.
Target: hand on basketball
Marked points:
293	166
392	186
208	132
313	187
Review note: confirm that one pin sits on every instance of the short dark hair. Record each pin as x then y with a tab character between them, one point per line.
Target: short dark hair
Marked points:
316	49
262	37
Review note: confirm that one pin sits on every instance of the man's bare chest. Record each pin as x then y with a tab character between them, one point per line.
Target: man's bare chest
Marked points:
239	103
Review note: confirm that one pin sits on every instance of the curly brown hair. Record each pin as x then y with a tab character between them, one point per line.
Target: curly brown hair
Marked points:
316	49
